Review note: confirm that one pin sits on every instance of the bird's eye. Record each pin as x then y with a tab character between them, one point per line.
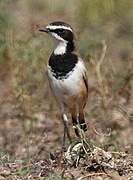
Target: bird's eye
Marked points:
61	30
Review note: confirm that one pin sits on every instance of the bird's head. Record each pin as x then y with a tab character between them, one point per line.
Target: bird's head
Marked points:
60	31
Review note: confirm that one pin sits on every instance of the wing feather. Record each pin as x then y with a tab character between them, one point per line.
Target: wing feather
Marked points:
85	80
84	74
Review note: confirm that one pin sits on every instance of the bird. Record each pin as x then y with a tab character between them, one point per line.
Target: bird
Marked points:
67	77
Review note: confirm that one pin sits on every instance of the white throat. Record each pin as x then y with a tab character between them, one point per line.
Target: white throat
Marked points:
61	48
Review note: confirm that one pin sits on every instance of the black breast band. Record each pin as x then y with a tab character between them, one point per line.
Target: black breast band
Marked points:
61	65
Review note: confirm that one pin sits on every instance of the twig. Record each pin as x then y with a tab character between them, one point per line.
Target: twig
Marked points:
84	140
102	54
102	134
127	79
119	153
103	90
93	174
125	113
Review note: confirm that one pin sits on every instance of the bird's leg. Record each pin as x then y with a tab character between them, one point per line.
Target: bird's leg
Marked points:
81	119
74	119
66	130
64	137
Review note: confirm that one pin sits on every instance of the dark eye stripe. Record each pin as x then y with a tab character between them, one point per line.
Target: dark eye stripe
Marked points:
58	30
61	30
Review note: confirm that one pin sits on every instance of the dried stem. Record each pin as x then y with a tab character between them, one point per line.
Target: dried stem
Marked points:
103	89
92	174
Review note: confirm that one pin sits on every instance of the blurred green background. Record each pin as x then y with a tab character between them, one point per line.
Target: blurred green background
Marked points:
24	53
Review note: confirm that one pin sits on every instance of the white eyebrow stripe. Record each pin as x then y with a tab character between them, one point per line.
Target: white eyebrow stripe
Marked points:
52	27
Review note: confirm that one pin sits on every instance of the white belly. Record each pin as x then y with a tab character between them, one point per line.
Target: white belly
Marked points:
68	86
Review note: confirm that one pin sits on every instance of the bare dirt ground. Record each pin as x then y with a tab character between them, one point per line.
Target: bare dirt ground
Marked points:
30	146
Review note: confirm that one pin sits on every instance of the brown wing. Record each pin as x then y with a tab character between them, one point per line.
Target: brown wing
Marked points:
84	75
85	81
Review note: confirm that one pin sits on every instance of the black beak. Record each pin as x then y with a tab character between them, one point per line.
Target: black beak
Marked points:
44	30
